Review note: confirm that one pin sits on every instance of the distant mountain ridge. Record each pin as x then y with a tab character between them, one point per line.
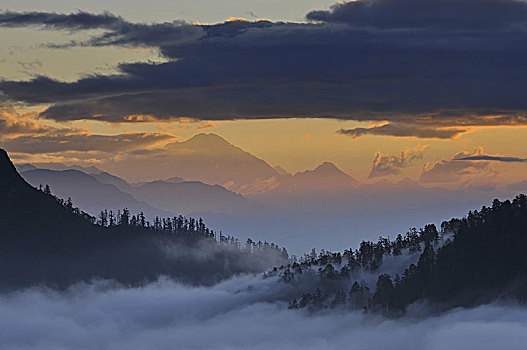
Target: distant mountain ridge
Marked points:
92	170
89	193
327	176
212	160
95	192
190	197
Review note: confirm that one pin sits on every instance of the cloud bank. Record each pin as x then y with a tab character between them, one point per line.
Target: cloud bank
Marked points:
232	315
429	69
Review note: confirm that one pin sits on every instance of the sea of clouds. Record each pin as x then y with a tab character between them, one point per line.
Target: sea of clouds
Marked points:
246	312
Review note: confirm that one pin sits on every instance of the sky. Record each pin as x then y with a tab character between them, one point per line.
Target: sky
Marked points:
385	90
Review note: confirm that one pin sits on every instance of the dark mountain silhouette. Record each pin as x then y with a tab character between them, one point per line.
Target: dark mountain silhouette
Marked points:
58	166
107	178
25	167
95	192
89	193
46	240
101	176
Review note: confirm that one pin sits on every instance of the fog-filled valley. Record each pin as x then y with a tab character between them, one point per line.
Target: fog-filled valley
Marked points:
237	314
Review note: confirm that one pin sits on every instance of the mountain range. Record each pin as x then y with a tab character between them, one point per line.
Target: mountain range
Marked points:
194	188
470	261
283	207
210	159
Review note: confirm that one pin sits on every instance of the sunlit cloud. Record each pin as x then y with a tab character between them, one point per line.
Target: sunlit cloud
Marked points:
403	130
386	164
24	134
454	171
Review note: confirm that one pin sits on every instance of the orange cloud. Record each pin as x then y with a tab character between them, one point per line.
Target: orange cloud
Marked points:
386	164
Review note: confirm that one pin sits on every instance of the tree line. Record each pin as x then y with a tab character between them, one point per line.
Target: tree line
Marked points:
482	258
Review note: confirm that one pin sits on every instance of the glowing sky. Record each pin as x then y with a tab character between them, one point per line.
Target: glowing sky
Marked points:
408	93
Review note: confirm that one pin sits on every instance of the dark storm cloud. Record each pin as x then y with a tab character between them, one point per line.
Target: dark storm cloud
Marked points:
398	130
461	63
495	158
57	142
119	31
435	14
50	20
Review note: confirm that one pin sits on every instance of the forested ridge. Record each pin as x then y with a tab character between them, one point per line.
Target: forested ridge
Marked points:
470	261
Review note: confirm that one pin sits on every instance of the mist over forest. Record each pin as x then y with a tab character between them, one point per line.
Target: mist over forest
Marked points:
236	314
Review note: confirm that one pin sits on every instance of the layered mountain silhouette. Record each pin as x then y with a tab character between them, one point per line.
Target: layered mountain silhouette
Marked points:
45	240
281	207
58	166
199	168
96	192
190	197
211	159
107	178
90	194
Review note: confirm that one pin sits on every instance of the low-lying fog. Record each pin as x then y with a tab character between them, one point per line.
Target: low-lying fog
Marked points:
243	313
